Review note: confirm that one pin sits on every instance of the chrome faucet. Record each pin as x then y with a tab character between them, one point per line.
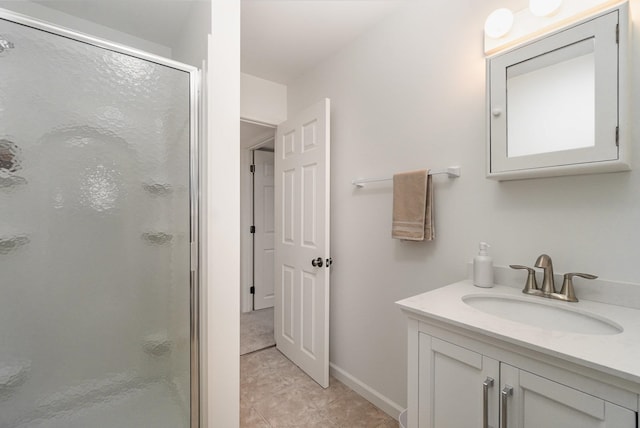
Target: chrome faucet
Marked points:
548	289
548	285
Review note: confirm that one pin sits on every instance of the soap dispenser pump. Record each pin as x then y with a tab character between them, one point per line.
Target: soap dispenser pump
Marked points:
483	268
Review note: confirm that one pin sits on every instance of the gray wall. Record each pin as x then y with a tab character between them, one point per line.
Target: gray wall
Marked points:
410	94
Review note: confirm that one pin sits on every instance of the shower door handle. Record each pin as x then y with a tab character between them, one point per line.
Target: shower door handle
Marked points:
317	262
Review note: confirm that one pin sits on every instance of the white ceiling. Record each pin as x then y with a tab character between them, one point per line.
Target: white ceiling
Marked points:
281	39
252	134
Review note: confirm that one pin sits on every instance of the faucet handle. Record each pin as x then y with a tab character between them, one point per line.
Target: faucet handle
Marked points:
567	291
531	286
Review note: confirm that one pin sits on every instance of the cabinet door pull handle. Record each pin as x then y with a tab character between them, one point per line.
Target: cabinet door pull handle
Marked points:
488	383
506	392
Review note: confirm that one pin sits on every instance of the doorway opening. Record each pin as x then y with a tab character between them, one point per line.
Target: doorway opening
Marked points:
257	225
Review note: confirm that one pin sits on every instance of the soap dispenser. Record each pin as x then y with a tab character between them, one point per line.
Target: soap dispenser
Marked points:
483	268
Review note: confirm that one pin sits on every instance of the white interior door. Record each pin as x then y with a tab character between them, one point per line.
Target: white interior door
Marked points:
263	252
302	240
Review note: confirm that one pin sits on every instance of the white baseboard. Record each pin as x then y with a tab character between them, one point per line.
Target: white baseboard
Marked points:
374	397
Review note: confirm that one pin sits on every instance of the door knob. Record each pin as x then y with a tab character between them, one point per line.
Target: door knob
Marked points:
317	262
329	261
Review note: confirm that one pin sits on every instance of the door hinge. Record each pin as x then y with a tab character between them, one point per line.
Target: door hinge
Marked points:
617	33
617	136
252	229
252	290
252	169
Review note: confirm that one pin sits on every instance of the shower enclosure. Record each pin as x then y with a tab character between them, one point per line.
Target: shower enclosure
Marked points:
98	233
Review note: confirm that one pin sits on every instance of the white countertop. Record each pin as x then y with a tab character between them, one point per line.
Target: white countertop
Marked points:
616	354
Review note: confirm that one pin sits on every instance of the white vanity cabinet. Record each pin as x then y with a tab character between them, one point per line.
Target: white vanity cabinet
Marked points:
469	369
451	388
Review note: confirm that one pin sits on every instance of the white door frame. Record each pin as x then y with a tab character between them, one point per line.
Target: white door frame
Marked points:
246	218
264	231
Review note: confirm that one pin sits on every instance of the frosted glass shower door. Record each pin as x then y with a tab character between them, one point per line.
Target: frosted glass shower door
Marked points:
95	230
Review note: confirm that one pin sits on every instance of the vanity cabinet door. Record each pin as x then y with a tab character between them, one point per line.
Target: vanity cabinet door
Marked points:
450	388
538	402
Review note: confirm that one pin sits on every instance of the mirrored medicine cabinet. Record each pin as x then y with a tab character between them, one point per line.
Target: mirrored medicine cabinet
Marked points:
558	105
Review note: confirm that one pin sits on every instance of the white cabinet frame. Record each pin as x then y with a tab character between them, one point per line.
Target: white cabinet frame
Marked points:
610	31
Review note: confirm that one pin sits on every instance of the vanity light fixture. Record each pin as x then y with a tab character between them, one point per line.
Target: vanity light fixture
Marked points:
504	29
498	23
544	7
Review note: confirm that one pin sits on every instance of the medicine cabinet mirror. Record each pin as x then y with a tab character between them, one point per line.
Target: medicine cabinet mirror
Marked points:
557	105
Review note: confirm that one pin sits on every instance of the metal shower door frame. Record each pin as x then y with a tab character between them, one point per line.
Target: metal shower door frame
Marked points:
194	174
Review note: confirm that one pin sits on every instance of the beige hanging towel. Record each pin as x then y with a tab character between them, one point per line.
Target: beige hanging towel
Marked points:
413	206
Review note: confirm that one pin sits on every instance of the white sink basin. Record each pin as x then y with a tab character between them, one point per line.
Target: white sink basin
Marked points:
542	314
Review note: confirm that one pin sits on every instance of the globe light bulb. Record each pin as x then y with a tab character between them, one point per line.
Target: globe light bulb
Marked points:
498	23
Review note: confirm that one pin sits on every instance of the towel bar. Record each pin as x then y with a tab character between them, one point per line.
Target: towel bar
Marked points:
452	172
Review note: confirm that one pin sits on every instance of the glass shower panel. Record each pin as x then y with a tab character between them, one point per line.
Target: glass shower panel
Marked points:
94	236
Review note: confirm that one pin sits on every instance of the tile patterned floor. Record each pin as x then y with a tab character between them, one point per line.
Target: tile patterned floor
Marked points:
256	330
274	393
